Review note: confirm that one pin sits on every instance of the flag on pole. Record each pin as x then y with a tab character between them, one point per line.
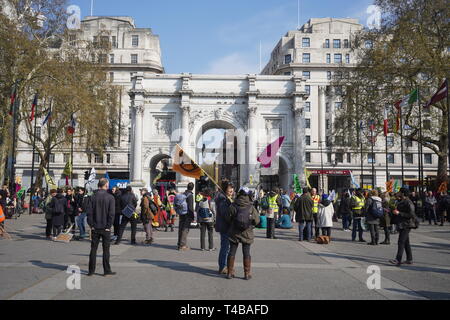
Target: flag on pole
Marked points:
269	153
51	184
408	99
13	99
353	180
307	175
439	95
184	165
33	107
372	125
68	168
390	185
386	122
72	125
92	176
298	187
47	118
396	186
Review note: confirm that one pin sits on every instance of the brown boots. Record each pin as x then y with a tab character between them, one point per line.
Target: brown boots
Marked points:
247	267
230	267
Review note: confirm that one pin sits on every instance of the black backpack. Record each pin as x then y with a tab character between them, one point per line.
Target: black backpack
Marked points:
376	209
242	221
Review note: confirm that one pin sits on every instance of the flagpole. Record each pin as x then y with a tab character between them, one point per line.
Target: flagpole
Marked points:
71	163
420	146
49	143
373	158
32	187
13	162
401	146
361	149
448	128
387	164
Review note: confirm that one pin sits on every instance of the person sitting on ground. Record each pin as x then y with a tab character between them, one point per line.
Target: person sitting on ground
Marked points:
284	222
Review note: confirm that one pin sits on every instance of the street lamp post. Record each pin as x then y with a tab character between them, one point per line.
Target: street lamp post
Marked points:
321	162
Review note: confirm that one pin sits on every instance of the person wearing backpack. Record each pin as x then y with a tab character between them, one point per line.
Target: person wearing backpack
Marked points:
242	217
206	219
148	212
374	211
406	219
128	198
184	206
58	207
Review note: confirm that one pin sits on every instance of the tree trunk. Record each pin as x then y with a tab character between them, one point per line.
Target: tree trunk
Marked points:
442	167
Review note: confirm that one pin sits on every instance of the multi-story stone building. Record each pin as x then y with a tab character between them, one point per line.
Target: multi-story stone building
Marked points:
133	50
316	51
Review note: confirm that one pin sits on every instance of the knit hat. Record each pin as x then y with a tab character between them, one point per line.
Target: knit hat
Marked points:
324	197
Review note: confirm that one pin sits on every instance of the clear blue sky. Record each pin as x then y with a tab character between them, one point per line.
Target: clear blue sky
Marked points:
211	36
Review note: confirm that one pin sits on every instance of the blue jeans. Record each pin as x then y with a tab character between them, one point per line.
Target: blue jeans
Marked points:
224	250
345	221
357	225
301	227
80	223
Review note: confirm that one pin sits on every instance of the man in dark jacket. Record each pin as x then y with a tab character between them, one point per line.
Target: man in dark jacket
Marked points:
128	198
80	212
100	218
405	220
71	210
304	214
58	208
345	212
237	234
444	207
118	211
186	219
223	202
372	220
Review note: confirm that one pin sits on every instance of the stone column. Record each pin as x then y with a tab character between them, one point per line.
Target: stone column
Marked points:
299	142
252	144
138	117
322	113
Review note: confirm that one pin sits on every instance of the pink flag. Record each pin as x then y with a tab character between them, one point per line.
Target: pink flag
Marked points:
270	152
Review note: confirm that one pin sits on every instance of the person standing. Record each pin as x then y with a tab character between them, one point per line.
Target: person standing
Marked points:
304	214
48	214
80	212
285	200
405	219
345	212
430	207
117	212
325	216
58	207
385	220
100	217
4	194
170	209
357	205
128	198
272	212
184	204
206	219
444	207
374	210
148	211
316	200
224	199
242	217
70	214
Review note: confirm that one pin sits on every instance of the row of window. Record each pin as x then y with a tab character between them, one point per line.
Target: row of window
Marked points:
339	158
102	58
306	43
306	58
105	40
66	156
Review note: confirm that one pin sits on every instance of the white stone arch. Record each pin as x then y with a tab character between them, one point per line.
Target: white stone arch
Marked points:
151	158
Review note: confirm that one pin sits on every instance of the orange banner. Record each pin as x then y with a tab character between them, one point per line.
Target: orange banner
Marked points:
184	165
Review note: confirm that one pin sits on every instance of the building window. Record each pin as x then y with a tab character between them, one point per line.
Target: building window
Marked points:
308	123
308	89
346	44
102	58
391	158
337	58
108	158
37	157
371	158
129	134
339	140
347	58
327	43
66	157
329	157
328	75
338	90
72	39
390	141
288	73
336	43
308	156
339	157
111	58
409	158
328	58
327	107
408	142
305	42
327	124
52	158
307	106
308	140
349	157
114	41
135	41
104	42
287	59
98	158
306	58
111	76
134	59
428	158
427	123
38	132
328	141
306	74
338	105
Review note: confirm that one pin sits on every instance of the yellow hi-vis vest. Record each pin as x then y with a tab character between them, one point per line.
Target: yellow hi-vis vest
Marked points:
316	200
360	203
273	204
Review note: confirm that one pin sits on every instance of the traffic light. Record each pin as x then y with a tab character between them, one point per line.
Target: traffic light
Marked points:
86	175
